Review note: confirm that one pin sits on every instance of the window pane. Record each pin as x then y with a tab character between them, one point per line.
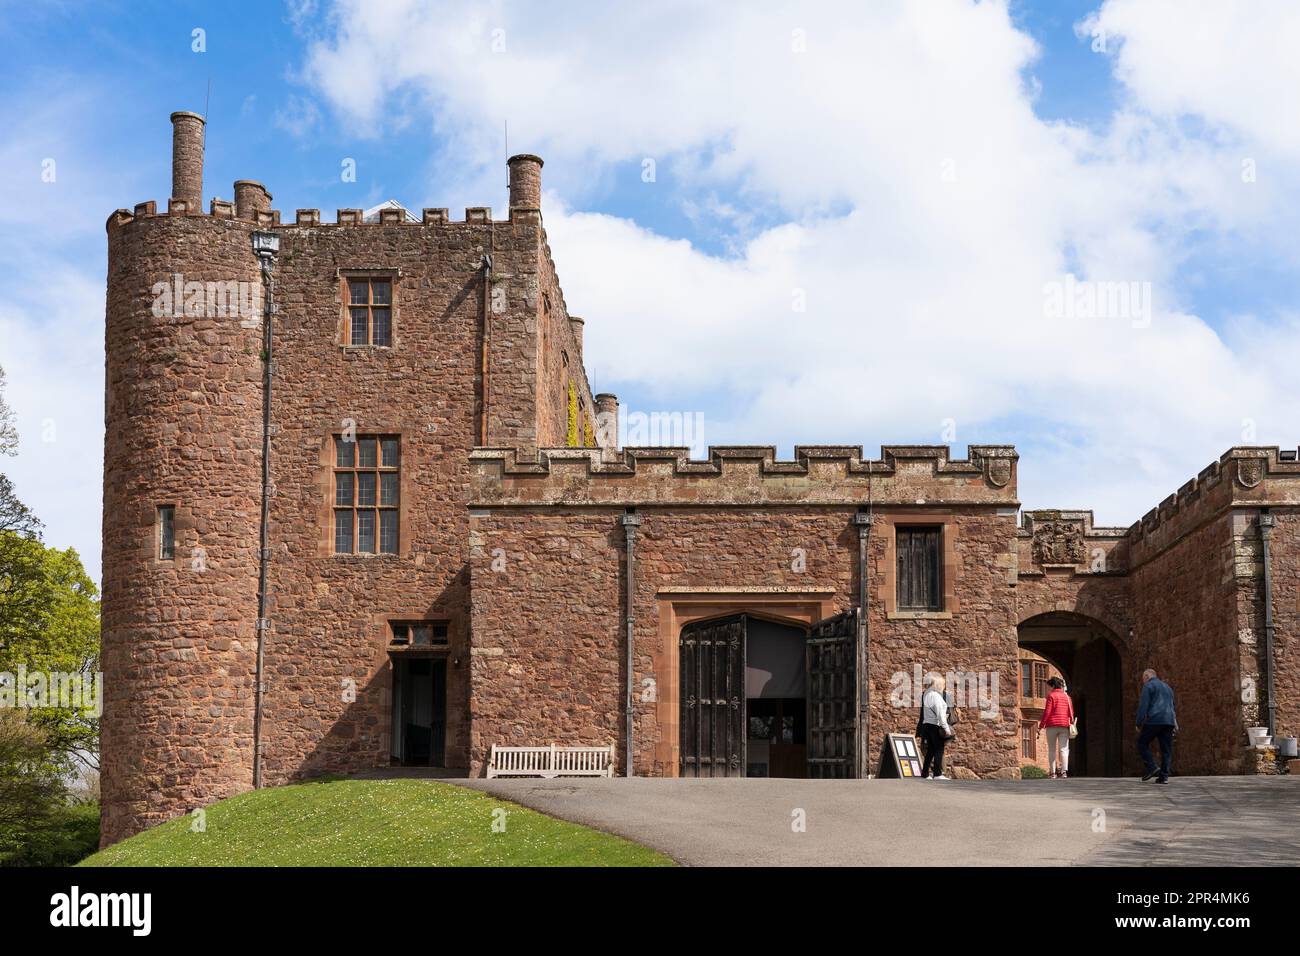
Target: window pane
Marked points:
357	292
166	533
343	488
366	456
343	532
388	488
440	633
344	453
383	331
381	292
401	634
421	634
365	532
919	578
388	531
360	332
366	488
389	447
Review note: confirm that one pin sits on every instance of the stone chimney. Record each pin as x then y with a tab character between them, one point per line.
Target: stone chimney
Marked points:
525	181
607	421
250	199
187	160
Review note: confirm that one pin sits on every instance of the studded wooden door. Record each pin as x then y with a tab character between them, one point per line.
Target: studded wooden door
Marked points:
833	697
713	698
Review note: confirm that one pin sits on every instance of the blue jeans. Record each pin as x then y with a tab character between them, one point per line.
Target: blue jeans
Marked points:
1165	734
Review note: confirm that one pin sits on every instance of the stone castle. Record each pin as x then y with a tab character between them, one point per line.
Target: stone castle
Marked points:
443	547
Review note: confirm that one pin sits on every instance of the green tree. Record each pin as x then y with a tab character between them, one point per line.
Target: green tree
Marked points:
49	623
31	788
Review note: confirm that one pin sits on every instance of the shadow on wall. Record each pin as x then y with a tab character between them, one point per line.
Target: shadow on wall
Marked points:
342	736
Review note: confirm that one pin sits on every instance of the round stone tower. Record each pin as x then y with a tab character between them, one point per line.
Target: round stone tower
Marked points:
182	492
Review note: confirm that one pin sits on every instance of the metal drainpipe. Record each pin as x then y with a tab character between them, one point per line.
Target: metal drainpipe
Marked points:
631	521
1265	537
483	355
266	245
863	522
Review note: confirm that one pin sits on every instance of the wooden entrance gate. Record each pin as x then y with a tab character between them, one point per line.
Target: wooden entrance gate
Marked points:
833	697
713	698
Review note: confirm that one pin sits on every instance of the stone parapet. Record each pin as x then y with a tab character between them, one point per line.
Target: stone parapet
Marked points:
747	474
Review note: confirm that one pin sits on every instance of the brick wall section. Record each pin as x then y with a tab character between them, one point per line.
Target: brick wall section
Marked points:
1186	621
182	427
1285	550
559	362
548	624
1198	606
545	665
329	613
513	336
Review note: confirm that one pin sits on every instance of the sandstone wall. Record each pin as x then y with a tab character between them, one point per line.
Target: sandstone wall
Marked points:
548	572
1286	616
184	419
1198	602
182	428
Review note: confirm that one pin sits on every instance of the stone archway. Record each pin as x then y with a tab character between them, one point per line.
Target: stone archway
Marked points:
1092	660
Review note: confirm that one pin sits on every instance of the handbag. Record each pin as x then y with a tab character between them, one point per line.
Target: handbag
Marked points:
1074	728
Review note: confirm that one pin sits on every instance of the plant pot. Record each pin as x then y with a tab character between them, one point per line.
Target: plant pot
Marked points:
1286	747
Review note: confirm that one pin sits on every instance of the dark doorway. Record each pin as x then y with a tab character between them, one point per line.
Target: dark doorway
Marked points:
1085	653
776	706
777	742
419	723
745	697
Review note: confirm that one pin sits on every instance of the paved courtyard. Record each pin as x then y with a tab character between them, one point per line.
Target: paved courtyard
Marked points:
1220	821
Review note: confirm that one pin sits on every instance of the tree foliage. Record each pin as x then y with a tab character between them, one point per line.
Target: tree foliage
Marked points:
49	625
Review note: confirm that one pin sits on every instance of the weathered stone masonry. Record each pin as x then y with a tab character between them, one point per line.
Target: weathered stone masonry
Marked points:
518	544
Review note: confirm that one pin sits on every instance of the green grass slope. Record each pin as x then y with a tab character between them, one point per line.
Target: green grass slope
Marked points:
373	823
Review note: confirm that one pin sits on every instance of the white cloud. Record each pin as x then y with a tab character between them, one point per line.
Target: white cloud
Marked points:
1231	64
927	206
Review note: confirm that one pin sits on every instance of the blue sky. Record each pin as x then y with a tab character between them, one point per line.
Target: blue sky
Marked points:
914	173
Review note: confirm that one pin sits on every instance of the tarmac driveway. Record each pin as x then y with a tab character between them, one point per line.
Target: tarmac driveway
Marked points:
1221	821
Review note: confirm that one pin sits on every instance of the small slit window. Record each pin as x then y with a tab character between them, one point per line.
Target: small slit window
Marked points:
166	523
420	633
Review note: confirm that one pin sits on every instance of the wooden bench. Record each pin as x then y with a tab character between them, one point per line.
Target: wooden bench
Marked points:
551	761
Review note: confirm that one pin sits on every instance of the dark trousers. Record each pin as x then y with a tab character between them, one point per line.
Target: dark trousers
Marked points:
1163	733
934	740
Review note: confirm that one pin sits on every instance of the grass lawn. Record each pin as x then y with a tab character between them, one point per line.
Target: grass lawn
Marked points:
373	823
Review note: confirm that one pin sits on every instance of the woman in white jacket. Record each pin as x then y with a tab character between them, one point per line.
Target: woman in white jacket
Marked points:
935	729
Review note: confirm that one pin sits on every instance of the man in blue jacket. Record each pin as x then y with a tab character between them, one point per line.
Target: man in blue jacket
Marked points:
1156	721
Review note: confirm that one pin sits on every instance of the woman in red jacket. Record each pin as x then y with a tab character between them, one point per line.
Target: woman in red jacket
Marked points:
1058	719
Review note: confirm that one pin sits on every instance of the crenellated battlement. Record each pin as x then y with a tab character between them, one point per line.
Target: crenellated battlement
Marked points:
1244	476
311	218
747	474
